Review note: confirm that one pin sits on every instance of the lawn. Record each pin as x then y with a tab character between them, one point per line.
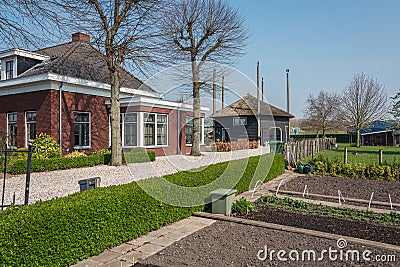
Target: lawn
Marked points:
365	154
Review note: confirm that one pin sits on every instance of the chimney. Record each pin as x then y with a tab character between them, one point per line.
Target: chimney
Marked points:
81	37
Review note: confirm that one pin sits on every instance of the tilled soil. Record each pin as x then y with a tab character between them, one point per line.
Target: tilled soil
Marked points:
349	187
365	230
232	244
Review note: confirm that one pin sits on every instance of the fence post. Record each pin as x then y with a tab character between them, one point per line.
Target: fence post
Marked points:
28	175
345	155
4	180
380	156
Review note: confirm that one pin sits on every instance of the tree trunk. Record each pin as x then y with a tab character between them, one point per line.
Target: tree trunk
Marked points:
358	138
196	113
116	143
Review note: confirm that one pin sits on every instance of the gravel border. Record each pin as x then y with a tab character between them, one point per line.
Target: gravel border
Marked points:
48	185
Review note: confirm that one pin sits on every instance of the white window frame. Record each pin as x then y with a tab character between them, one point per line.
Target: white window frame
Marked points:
201	133
155	129
8	129
239	121
90	130
7	70
269	133
123	129
26	126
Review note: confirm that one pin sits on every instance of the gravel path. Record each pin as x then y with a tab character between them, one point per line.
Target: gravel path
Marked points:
48	185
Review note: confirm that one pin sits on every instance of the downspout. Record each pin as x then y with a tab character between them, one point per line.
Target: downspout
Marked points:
60	116
178	132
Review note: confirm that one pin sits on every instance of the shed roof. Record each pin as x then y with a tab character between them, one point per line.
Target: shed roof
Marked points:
247	106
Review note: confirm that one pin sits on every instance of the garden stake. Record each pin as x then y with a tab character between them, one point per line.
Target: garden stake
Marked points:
277	190
305	190
391	205
370	200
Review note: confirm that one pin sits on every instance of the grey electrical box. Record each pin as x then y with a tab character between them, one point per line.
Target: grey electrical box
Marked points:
222	201
90	183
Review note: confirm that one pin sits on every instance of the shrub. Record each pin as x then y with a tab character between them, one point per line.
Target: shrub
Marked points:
139	154
75	154
45	147
235	145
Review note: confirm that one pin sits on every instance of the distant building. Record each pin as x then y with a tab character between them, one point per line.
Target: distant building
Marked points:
378	134
239	121
71	81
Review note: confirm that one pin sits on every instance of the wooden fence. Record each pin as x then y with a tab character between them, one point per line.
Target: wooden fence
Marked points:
297	150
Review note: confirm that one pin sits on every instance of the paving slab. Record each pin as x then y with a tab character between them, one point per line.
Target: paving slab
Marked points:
87	263
106	256
117	263
164	241
150	248
141	240
124	248
133	256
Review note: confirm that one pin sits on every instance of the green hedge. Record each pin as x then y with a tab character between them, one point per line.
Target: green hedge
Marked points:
358	170
62	231
340	138
52	164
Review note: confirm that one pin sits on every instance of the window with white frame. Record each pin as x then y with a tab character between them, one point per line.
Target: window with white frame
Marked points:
240	121
189	130
30	120
81	129
275	134
9	70
129	129
155	129
12	130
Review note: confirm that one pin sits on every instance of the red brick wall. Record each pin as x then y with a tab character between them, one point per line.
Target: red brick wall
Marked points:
46	104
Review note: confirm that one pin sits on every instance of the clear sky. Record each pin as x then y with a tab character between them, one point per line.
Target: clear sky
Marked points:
323	43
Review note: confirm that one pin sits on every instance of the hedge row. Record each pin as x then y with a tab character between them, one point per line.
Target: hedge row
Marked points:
52	164
340	138
62	231
358	170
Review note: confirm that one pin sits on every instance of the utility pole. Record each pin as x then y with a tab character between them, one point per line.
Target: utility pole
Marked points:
215	91
262	89
288	100
258	104
223	93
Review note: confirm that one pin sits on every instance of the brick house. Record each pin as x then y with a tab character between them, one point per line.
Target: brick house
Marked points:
64	91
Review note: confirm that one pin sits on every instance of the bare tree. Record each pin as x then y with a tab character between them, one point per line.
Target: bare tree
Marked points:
364	100
323	111
199	30
123	30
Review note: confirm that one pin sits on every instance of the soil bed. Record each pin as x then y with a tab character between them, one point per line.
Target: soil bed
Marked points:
232	244
324	223
349	187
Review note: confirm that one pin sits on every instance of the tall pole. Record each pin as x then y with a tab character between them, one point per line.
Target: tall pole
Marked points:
223	92
215	91
60	116
262	89
258	104
288	100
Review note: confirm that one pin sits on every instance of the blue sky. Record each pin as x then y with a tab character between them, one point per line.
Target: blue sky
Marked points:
323	43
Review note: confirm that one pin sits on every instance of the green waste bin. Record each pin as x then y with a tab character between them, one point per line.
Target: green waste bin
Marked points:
222	201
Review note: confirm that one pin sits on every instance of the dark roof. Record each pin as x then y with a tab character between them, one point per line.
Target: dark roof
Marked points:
247	106
81	60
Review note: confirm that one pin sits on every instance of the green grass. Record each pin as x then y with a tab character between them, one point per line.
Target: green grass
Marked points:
62	231
366	154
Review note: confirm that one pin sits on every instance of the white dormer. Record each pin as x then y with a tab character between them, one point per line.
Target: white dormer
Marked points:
13	62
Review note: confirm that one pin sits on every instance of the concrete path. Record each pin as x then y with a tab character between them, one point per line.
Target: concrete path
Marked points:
140	248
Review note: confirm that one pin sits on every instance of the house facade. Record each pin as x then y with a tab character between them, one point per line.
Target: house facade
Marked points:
239	121
64	91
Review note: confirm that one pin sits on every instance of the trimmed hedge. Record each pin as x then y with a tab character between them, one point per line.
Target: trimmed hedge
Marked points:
52	164
62	231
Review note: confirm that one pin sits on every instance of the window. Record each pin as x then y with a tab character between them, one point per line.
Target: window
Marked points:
149	128
153	137
12	130
189	130
81	129
275	134
30	118
129	129
161	129
9	70
240	121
